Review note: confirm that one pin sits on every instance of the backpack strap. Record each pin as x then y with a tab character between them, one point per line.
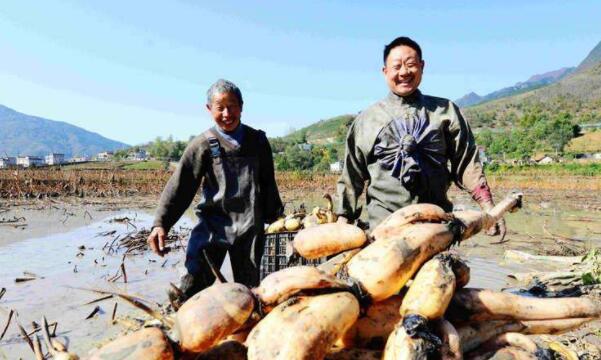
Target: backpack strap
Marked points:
215	148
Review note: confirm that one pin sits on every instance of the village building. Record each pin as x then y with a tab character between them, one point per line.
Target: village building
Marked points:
336	167
29	161
542	159
79	159
105	156
55	159
7	162
140	155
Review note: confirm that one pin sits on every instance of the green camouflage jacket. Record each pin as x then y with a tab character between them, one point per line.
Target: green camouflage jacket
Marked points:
447	153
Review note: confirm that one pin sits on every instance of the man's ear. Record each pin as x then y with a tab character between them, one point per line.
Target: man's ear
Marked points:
423	65
208	107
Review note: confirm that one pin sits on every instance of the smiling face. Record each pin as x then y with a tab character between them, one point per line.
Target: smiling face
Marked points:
403	70
225	111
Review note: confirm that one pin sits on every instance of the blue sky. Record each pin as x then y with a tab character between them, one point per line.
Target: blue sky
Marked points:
135	70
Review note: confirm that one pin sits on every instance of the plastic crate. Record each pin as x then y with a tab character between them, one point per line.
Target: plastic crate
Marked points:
274	254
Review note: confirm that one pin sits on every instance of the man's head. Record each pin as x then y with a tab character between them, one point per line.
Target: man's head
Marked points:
224	103
403	66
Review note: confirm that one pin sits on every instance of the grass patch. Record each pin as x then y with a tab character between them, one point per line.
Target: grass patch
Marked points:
117	165
91	165
144	165
576	169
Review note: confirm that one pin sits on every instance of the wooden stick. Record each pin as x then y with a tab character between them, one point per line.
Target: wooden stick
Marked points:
30	274
25	336
94	312
124	273
54	326
109	292
10	316
46	334
37	328
214	269
114	313
99	299
147	309
37	348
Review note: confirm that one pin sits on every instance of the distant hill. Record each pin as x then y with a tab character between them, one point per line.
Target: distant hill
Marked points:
578	94
593	58
323	132
22	134
532	83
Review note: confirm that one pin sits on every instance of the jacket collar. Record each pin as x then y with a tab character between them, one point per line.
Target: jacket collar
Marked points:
413	98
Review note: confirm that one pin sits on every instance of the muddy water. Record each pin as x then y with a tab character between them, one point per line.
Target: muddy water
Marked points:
63	264
55	256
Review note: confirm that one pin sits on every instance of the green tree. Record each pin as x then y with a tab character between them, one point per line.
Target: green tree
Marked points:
298	159
177	150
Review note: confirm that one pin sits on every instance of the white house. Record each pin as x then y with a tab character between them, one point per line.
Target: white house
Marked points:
104	156
29	161
78	159
139	155
7	162
55	159
545	160
336	167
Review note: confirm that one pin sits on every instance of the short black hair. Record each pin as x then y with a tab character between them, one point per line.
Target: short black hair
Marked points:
402	40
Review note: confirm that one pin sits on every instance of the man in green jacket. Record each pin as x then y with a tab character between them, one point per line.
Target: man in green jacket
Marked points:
409	147
232	164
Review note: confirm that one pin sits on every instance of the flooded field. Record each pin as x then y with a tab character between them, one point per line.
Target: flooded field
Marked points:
52	249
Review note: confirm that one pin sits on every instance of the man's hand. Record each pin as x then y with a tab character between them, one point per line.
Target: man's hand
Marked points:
156	241
498	229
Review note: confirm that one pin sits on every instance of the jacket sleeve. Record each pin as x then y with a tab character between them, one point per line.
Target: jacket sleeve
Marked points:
466	169
273	207
352	180
182	186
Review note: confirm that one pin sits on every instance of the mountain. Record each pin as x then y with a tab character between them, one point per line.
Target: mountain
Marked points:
328	131
532	83
594	57
22	134
577	94
469	99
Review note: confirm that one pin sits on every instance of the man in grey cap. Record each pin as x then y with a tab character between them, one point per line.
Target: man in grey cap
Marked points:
232	164
408	147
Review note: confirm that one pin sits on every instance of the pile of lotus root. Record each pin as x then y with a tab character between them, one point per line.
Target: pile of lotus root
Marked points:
395	294
301	220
